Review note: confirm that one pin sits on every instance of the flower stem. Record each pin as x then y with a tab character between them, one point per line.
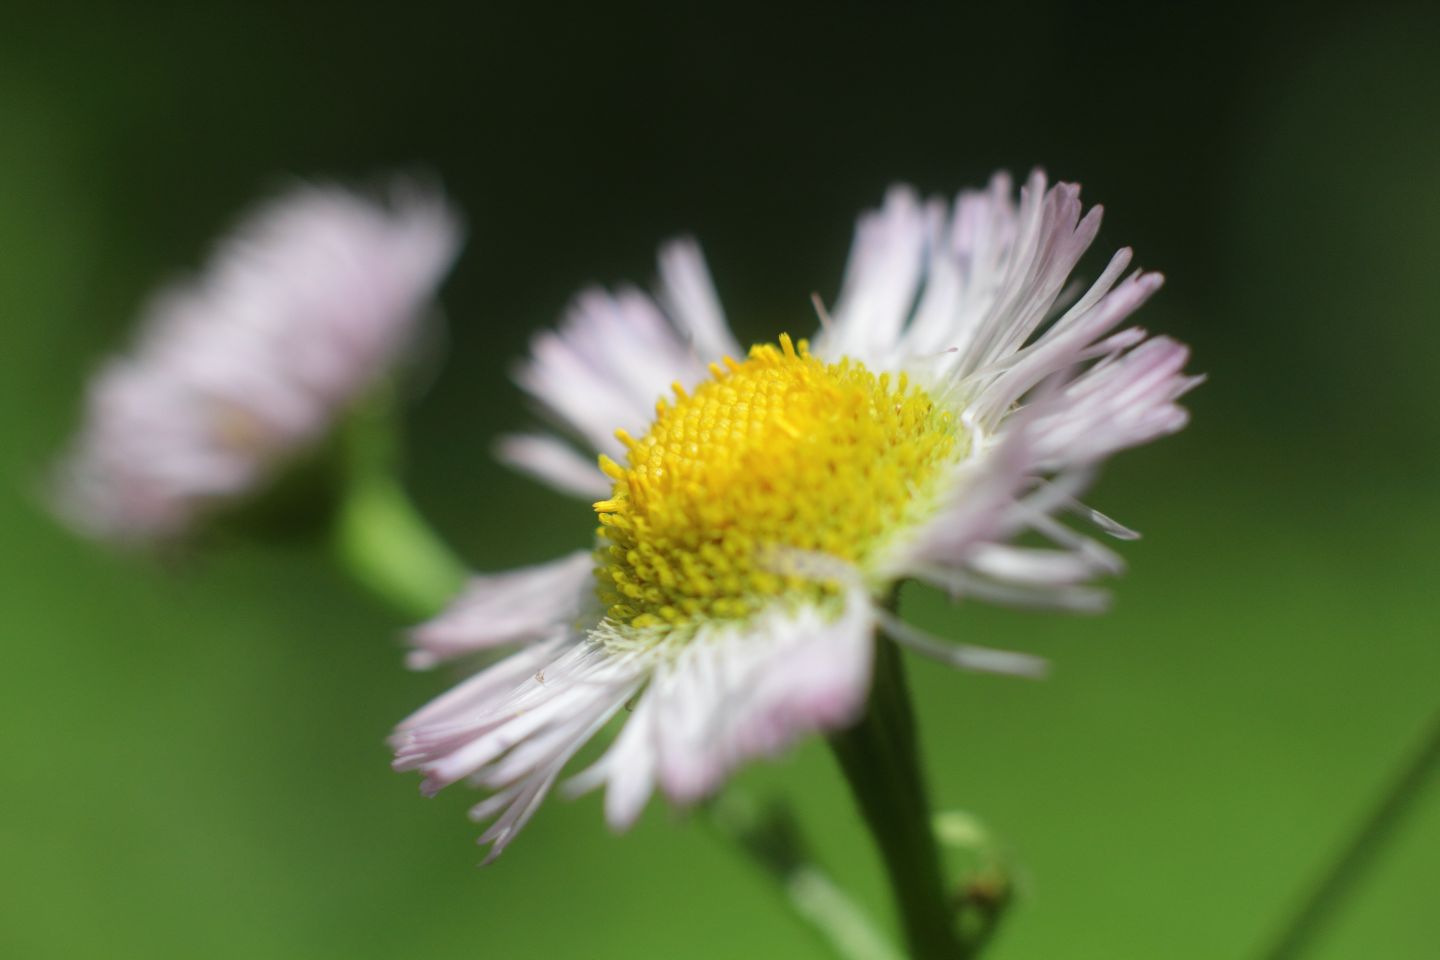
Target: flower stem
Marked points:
381	540
814	896
880	759
379	537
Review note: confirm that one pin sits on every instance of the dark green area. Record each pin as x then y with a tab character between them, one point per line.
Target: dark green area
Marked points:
193	759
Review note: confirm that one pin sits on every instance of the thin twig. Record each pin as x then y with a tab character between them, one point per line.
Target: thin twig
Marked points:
1345	874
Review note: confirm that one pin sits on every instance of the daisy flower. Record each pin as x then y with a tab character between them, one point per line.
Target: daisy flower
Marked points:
756	509
301	309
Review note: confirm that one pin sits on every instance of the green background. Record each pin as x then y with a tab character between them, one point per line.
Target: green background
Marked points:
191	755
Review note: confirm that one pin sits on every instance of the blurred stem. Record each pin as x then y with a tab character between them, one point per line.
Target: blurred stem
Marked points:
771	837
1345	874
382	541
880	758
379	537
820	901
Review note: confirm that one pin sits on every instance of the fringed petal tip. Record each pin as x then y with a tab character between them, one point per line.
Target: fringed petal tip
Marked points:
512	728
614	354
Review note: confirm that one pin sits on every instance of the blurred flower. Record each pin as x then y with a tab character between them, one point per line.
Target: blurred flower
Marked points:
751	537
300	310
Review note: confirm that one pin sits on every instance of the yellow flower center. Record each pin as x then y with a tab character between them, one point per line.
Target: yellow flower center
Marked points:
780	453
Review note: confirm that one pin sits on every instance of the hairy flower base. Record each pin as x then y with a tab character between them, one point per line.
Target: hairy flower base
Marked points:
781	453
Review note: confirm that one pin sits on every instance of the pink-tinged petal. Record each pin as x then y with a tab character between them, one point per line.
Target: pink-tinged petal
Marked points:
1043	397
976	506
1005	488
518	606
1052	238
1062	347
950	294
616	354
962	300
514	727
481	693
1121	404
605	366
964	273
741	692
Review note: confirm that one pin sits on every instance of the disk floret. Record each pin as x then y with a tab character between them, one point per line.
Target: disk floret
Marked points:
781	455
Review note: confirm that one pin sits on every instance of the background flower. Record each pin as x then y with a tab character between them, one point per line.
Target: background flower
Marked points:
298	312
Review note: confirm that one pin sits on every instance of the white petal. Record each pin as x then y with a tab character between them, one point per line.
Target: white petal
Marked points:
513	735
961	655
519	606
482	693
1122	404
956	297
1108	525
1052	237
617	354
733	694
882	279
965	271
1037	566
993	497
555	463
606	366
1016	593
976	505
628	768
1062	347
688	295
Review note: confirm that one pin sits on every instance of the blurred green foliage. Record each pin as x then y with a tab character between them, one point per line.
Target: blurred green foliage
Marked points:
193	758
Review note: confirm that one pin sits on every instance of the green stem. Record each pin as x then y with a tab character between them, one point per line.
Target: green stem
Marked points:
771	838
880	759
1345	874
381	540
817	899
379	537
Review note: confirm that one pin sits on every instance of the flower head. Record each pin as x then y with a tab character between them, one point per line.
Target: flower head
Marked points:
300	309
757	509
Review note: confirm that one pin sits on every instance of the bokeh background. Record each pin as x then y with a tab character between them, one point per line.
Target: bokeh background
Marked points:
191	756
